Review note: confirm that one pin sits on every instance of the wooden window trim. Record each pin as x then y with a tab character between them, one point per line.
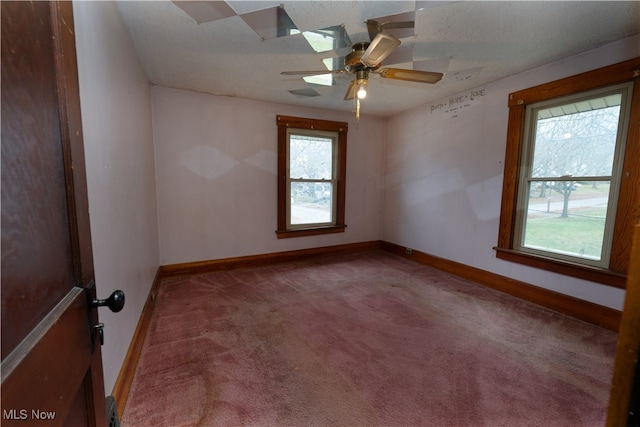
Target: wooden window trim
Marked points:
285	122
628	208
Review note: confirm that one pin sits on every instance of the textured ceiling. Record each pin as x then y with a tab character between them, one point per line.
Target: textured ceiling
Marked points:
472	42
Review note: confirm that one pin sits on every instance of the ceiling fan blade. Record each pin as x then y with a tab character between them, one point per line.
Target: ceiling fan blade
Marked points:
310	73
351	91
396	25
410	75
375	27
381	47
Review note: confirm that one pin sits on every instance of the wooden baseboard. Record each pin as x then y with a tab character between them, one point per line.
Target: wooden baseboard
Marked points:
125	377
200	267
584	310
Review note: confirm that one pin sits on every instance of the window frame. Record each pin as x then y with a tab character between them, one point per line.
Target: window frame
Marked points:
530	140
627	208
285	124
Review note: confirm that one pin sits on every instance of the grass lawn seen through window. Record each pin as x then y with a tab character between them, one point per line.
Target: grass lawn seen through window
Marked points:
580	233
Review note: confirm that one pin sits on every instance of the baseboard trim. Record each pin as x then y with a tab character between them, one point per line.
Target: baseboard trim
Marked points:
584	310
125	377
201	267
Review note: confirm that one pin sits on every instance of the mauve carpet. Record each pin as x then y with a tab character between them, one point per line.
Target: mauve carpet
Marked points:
368	339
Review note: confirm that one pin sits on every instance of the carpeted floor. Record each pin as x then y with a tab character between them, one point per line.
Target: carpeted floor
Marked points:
369	339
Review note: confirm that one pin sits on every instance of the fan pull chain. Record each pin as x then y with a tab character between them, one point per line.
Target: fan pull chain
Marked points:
357	109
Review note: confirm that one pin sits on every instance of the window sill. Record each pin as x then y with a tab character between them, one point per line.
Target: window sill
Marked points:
300	232
593	274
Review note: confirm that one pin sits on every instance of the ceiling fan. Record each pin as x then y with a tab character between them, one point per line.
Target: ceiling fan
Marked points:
366	58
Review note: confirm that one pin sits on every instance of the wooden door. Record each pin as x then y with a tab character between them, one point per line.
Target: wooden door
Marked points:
51	363
624	399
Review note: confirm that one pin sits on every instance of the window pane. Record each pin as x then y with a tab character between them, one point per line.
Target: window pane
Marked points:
311	202
567	217
577	138
310	157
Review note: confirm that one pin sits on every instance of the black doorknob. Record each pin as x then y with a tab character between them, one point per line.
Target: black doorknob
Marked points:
115	302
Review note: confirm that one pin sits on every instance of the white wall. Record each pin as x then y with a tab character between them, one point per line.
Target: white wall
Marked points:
216	163
116	118
443	175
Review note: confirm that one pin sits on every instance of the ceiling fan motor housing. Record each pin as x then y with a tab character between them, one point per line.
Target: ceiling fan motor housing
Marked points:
352	61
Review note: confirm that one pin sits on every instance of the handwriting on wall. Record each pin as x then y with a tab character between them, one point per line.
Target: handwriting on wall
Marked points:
455	104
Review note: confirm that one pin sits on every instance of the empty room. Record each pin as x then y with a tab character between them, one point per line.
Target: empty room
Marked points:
322	213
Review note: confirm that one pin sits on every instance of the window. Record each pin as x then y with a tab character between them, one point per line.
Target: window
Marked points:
570	192
570	174
311	176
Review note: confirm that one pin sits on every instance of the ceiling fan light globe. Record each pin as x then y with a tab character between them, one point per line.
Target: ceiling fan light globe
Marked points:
362	93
